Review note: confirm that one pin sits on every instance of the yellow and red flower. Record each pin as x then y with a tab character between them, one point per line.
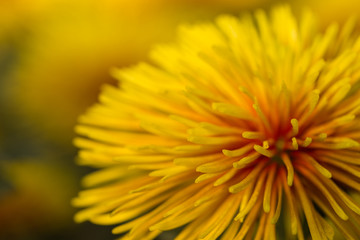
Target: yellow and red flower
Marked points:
238	124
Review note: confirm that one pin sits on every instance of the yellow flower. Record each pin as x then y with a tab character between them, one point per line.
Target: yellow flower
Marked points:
238	129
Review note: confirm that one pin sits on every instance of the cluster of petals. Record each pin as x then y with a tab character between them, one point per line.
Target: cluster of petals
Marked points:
246	128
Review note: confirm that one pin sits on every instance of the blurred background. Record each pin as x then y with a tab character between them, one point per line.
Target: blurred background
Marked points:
54	57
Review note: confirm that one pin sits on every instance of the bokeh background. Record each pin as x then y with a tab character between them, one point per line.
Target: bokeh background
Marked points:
54	57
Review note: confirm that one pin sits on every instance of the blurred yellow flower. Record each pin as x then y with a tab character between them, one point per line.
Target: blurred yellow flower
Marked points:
331	10
70	45
236	125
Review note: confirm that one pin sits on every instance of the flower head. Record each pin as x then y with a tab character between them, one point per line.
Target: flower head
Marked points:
237	125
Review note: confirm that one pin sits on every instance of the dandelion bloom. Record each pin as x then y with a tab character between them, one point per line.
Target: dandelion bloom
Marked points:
245	128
